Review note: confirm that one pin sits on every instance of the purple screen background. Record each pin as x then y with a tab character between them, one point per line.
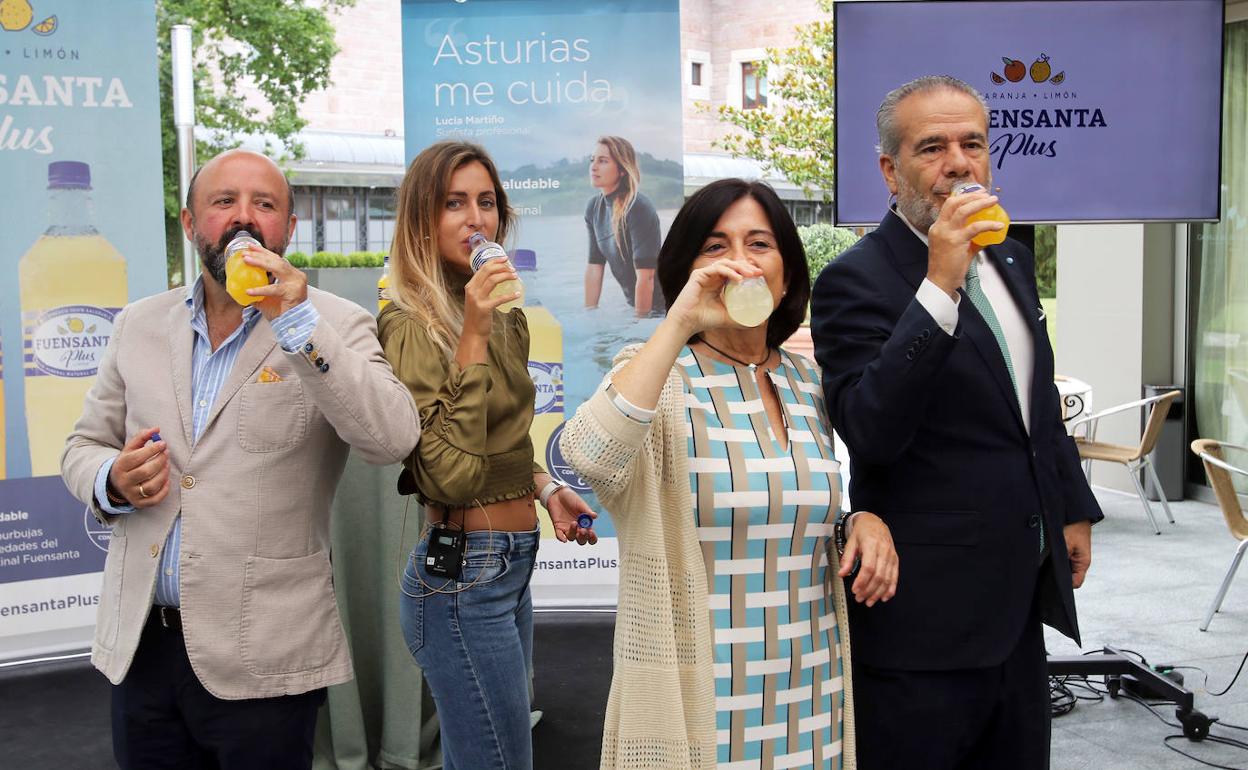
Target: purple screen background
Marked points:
1153	68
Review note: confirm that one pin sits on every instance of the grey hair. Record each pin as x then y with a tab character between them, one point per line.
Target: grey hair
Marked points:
886	115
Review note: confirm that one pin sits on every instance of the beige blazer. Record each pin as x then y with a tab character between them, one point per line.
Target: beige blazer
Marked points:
257	599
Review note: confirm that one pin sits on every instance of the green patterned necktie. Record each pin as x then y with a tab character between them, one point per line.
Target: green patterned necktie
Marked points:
981	303
975	292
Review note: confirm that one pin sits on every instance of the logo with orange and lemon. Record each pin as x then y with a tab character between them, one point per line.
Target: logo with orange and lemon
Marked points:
17	15
69	341
1041	71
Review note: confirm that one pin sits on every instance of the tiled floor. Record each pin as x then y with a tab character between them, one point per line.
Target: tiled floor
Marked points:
1148	593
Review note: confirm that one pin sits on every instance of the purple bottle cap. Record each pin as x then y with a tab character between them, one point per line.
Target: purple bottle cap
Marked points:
69	175
585	521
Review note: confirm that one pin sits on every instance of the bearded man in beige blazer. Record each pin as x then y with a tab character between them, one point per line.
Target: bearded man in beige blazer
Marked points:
212	442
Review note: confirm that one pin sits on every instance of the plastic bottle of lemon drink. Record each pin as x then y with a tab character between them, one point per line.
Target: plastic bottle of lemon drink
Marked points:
483	251
546	369
73	283
383	285
749	301
240	276
993	213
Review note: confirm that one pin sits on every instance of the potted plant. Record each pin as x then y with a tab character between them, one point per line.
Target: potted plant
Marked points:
351	276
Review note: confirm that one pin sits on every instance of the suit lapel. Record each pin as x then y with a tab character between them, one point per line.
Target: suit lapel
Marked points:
906	252
181	342
260	343
975	328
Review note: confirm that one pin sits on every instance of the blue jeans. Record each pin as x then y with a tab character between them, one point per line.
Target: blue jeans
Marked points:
474	648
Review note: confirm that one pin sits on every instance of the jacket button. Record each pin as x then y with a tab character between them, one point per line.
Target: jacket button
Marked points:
1034	521
188	481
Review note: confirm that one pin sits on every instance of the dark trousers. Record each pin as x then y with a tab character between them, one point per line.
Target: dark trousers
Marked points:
989	718
164	718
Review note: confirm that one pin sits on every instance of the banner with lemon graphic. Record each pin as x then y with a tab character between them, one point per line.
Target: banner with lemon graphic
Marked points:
81	212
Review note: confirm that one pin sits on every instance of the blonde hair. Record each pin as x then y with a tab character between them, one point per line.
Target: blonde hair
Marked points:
621	151
420	287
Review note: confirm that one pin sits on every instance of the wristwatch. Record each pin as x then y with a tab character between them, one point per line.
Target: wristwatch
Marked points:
552	486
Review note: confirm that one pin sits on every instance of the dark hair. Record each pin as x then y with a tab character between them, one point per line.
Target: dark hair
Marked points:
698	217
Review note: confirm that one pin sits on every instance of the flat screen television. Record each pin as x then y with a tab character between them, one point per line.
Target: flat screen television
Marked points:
1100	110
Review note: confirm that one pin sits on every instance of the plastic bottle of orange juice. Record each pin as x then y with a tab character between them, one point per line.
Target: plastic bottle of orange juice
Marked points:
993	213
240	276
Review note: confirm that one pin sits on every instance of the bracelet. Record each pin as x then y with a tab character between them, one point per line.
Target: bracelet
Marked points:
114	497
552	486
838	532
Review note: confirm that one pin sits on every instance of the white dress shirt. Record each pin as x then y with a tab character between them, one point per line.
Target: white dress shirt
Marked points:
944	310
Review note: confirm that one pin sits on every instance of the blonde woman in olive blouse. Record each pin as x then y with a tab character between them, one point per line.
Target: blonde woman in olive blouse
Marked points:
466	365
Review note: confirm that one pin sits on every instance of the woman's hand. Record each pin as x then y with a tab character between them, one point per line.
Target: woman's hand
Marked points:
870	541
700	305
564	506
478	306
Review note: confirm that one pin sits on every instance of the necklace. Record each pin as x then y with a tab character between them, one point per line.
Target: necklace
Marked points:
734	359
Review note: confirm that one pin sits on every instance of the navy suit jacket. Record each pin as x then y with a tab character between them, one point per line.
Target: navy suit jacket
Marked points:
938	449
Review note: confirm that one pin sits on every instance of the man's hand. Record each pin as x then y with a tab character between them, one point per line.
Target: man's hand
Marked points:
949	247
1079	546
141	472
289	289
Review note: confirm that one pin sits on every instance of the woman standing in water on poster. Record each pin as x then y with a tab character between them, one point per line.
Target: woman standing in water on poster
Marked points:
623	229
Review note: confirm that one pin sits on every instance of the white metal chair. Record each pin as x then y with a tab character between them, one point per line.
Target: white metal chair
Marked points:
1219	472
1135	458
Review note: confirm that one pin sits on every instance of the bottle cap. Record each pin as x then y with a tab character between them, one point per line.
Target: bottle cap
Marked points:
155	436
966	187
69	175
241	239
524	259
585	521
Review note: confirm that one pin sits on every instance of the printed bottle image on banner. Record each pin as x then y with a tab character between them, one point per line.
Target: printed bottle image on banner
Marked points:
73	282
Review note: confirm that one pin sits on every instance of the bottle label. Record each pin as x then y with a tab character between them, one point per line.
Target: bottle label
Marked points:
67	341
485	252
548	382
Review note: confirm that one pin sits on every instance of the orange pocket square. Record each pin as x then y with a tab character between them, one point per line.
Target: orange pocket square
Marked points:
267	374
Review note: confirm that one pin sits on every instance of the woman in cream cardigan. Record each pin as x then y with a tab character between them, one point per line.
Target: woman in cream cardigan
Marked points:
709	446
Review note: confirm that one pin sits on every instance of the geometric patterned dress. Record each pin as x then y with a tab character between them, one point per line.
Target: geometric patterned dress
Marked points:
764	517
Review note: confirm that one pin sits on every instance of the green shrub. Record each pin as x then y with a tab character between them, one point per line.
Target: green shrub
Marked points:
297	259
324	259
824	243
365	259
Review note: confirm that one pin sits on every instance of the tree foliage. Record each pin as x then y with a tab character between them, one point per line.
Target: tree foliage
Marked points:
794	136
282	48
824	243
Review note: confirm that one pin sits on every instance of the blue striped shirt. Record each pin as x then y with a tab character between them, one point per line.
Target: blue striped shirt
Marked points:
209	370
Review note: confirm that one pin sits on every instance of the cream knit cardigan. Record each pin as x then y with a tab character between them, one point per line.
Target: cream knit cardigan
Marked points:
661	710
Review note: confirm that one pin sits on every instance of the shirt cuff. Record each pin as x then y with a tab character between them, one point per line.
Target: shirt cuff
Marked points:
942	308
295	326
627	408
101	491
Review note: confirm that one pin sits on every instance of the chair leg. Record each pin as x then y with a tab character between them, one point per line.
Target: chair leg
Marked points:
1152	474
1133	472
1226	584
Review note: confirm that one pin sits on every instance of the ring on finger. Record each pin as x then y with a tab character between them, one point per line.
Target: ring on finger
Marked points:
142	493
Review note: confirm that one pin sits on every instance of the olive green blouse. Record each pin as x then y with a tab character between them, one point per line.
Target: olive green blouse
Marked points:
474	422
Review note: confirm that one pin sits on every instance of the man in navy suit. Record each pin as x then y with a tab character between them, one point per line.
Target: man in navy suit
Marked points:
938	375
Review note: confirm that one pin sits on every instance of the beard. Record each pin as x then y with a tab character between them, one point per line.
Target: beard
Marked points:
212	255
922	210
